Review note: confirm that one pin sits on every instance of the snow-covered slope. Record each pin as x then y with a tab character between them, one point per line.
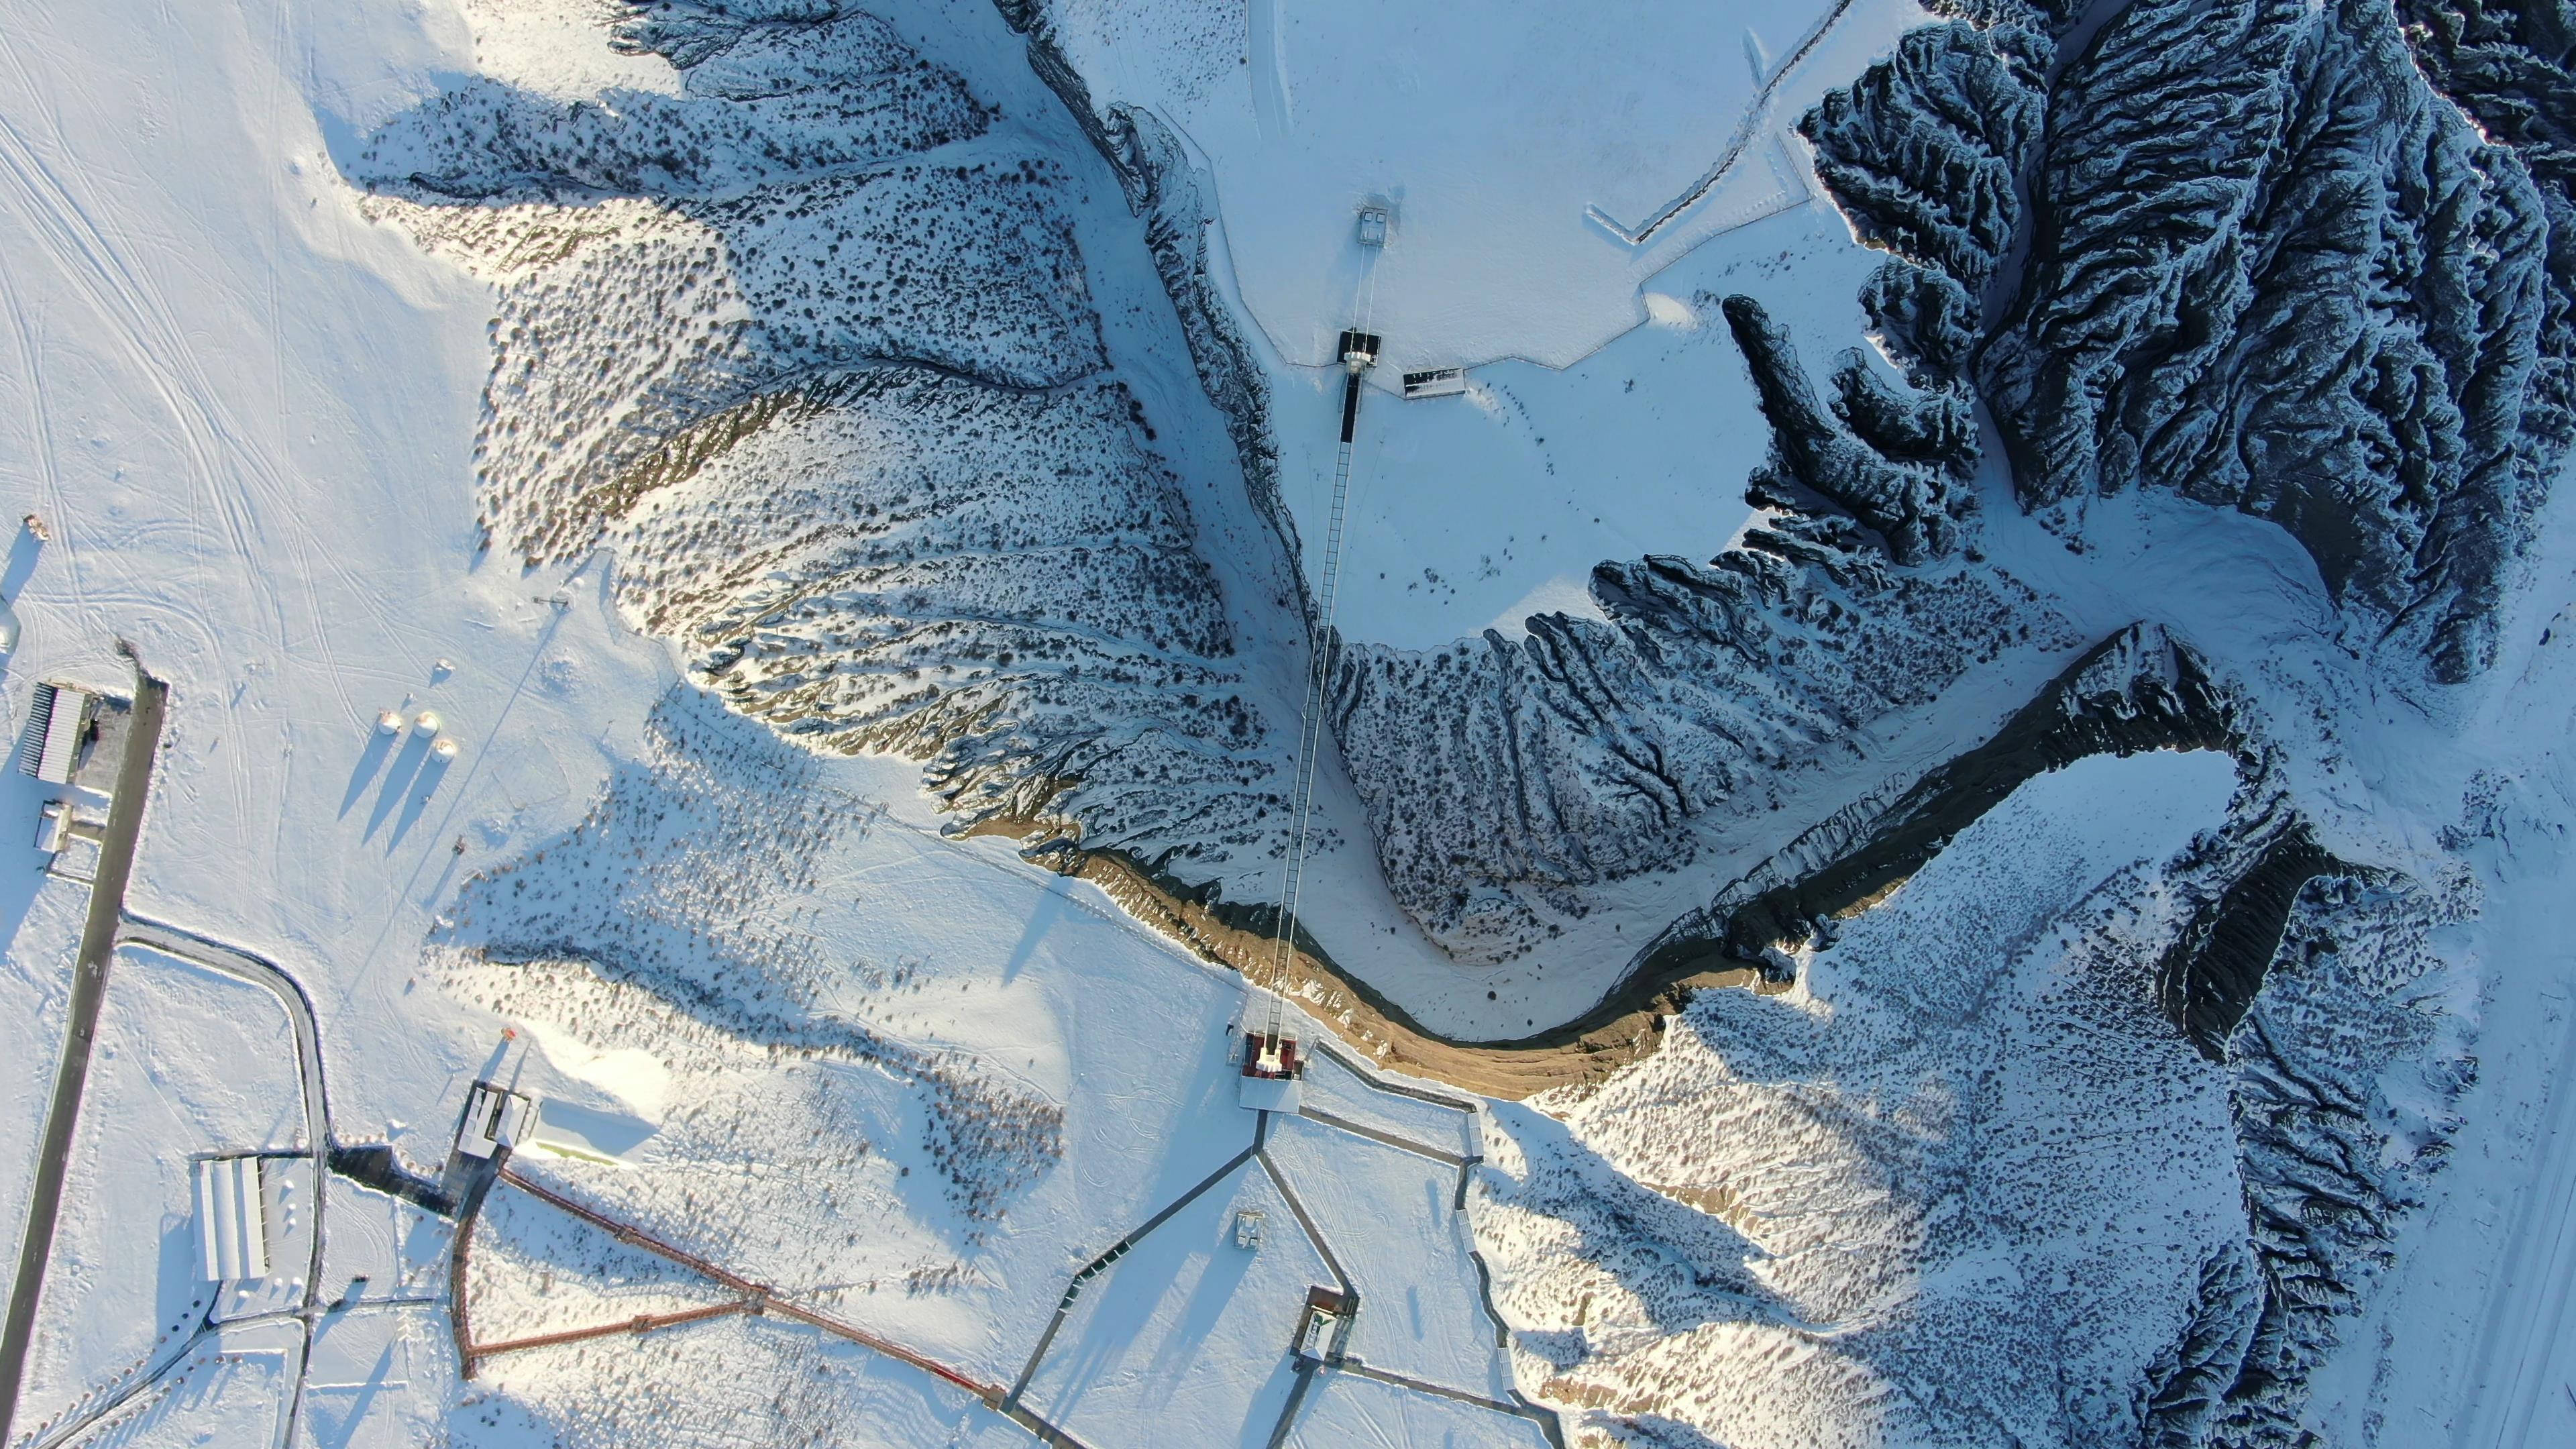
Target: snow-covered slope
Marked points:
845	417
2027	535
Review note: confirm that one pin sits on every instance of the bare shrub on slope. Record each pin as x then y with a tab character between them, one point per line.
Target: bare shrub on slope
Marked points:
813	350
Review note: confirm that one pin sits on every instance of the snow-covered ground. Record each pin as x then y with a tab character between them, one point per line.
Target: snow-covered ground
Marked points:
1473	512
253	452
1963	1137
917	1084
1607	415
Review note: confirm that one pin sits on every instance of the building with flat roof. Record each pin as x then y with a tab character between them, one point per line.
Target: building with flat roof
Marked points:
232	1219
494	1118
75	736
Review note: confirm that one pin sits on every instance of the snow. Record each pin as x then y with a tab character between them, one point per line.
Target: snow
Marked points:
35	997
1165	1340
372	1378
1492	131
1962	1114
1341	1091
1604	419
253	449
185	1062
398	1248
1351	1412
926	1082
1388	1215
1474	512
233	1393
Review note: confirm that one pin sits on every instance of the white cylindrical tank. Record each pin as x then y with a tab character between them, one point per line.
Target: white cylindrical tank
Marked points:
444	748
389	722
425	723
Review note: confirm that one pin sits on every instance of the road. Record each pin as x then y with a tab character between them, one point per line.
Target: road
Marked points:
232	961
89	989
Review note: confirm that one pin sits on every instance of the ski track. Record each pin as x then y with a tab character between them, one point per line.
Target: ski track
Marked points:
235	476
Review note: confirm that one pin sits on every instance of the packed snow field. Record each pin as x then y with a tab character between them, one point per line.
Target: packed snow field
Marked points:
734	579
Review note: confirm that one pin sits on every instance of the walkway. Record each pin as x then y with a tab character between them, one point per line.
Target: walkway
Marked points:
754	1299
1335	1355
89	990
762	1300
108	925
232	961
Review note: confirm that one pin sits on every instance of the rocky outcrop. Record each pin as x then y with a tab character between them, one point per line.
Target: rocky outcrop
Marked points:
2273	271
2140	689
2513	68
2247	879
2344	1079
1504	778
1925	151
1890	462
1177	217
2267	266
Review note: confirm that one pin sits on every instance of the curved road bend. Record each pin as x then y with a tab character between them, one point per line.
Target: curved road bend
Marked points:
89	989
258	971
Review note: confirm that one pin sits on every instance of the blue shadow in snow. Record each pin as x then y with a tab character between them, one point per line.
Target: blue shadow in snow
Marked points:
379	746
424	784
406	766
22	563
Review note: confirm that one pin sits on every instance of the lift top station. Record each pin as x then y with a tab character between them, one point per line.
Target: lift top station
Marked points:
494	1118
1359	354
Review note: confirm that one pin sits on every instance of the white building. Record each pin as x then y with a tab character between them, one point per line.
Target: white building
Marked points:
494	1118
55	727
53	826
232	1220
1435	382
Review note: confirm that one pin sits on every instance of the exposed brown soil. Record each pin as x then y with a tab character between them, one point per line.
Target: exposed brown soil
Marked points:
2135	691
1241	938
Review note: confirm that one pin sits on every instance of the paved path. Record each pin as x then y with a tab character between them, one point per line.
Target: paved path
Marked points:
235	962
89	989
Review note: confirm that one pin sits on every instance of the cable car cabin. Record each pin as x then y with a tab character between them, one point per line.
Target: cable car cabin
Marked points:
1272	1054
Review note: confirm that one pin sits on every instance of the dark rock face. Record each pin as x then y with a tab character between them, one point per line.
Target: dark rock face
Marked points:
2268	267
1504	778
2273	271
2514	70
1925	153
1895	478
2138	690
2209	977
1925	150
2344	1075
